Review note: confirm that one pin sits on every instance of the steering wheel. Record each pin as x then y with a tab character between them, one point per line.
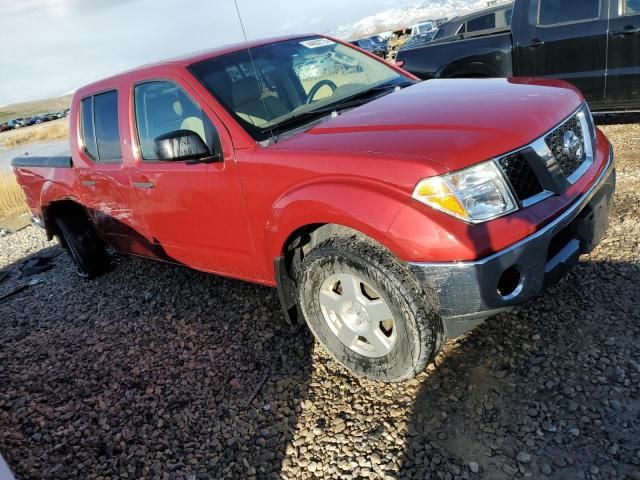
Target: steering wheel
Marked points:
314	90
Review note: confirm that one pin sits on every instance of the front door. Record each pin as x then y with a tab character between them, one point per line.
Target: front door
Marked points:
623	70
566	40
194	212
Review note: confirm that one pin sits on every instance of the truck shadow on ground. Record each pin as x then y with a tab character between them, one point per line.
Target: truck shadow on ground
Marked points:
150	371
549	390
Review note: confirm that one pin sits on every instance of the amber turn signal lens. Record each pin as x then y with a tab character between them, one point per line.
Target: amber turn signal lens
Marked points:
437	194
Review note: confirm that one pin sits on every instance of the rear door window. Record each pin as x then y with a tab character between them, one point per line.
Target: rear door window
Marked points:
485	22
100	128
87	132
106	123
551	12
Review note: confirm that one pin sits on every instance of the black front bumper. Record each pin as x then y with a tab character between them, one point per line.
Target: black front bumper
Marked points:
470	292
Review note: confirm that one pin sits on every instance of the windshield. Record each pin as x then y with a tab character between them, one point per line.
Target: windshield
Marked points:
290	78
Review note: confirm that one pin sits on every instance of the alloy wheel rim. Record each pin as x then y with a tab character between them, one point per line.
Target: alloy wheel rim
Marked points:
357	315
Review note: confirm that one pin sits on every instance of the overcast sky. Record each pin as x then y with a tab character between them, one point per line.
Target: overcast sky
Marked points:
50	47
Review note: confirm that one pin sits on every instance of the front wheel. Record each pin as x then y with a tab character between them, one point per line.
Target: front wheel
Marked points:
368	310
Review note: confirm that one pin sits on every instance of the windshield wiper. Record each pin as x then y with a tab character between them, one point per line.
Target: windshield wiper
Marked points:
348	102
365	94
299	118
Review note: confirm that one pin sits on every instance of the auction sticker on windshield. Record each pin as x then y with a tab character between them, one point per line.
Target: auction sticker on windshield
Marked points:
317	43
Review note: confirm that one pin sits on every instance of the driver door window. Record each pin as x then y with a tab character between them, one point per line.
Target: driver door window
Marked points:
162	107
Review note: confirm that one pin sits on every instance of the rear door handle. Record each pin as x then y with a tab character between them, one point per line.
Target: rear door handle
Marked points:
535	43
628	30
143	185
88	183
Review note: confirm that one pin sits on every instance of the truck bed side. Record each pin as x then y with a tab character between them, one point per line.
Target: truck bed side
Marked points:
478	56
45	180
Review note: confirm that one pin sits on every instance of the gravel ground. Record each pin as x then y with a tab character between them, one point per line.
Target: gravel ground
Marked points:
155	371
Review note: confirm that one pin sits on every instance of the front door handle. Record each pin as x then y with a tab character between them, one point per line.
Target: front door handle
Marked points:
143	185
535	43
88	183
628	30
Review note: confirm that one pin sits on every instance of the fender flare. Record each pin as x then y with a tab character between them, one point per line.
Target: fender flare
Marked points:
331	202
51	193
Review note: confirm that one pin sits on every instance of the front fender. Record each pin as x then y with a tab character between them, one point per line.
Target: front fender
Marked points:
367	208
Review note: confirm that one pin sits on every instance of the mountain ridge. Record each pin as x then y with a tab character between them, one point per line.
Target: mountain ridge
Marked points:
407	15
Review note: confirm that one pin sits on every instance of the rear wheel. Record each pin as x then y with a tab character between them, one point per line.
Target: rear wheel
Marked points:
368	310
86	249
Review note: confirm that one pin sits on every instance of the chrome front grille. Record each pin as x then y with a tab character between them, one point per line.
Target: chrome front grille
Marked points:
569	158
550	164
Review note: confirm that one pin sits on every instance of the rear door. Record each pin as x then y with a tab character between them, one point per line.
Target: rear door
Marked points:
623	69
195	213
104	182
567	40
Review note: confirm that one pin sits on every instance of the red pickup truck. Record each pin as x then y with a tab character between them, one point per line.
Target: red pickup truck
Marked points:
390	214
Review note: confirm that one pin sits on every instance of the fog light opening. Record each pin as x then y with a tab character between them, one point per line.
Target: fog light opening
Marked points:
510	283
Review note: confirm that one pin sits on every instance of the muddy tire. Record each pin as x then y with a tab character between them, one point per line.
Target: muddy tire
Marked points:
368	310
87	250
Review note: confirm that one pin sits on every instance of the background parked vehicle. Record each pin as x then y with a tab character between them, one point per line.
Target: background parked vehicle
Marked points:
13	124
397	39
47	117
418	40
27	122
477	23
374	44
414	35
593	44
422	28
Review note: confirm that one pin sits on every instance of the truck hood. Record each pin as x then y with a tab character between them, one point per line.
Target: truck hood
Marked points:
454	123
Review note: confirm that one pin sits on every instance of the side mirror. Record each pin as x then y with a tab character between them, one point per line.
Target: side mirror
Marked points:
183	145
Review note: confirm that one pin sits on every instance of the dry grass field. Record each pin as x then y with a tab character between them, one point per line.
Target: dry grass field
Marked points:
55	130
12	201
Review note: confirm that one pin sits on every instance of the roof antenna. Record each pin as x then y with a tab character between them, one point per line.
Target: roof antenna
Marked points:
255	70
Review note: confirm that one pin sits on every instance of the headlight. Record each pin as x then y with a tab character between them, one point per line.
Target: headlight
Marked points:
476	194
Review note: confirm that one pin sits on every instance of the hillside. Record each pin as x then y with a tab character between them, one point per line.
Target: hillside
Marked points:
403	16
26	109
